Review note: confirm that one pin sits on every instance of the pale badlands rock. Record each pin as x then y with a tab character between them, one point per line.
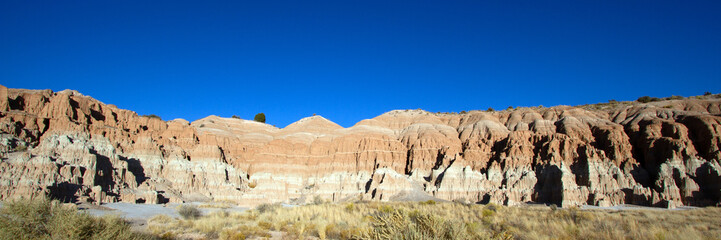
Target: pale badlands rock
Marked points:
76	148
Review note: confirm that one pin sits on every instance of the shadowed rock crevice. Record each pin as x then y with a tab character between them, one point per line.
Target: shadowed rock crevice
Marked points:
136	168
17	103
549	188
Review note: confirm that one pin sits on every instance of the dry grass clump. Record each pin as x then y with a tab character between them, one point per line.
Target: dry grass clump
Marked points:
189	211
218	204
43	219
438	220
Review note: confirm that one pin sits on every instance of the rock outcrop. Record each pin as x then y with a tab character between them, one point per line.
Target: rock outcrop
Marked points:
75	148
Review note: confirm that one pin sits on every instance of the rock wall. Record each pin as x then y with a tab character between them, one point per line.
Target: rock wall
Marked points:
76	148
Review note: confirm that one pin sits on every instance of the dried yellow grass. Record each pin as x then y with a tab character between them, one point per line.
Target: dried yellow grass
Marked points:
375	220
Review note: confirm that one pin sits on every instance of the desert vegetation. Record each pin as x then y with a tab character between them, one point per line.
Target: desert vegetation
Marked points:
434	220
260	117
152	116
44	219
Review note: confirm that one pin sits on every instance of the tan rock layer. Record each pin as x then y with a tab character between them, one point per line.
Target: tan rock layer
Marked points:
76	148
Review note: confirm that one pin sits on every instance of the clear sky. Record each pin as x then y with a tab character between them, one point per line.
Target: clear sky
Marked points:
352	60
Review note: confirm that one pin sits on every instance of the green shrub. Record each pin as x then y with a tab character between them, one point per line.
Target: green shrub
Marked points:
490	109
647	99
236	117
189	211
42	219
674	97
152	116
260	117
707	93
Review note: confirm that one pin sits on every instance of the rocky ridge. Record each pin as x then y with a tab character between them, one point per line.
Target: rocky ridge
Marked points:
76	148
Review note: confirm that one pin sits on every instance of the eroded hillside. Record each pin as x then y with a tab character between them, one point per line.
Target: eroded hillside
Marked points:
73	147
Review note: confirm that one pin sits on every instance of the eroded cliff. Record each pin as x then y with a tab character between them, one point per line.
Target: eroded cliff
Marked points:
76	148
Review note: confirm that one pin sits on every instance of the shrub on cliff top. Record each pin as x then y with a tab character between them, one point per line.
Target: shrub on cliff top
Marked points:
260	117
647	99
152	116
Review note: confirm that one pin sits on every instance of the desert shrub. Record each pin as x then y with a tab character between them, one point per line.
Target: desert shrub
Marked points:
707	93
20	148
260	117
490	109
189	212
152	116
492	207
463	202
265	225
385	208
647	99
350	207
42	219
317	200
230	234
428	202
674	97
267	207
416	224
235	116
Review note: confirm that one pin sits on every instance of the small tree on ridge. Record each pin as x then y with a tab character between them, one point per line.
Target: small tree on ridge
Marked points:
260	117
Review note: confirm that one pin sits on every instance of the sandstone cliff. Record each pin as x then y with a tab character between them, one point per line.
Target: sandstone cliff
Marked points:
76	148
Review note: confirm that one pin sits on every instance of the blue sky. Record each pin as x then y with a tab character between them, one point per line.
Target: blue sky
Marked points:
352	60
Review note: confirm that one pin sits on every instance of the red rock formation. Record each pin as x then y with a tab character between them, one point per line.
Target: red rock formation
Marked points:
76	148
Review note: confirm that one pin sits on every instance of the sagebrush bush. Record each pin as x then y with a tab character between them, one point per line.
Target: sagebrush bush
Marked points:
189	211
267	207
